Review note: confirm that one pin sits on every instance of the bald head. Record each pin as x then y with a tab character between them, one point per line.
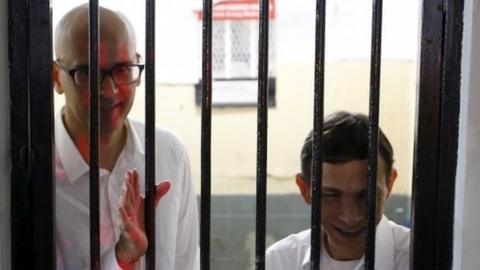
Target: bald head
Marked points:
117	36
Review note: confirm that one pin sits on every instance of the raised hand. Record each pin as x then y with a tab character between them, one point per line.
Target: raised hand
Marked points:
133	241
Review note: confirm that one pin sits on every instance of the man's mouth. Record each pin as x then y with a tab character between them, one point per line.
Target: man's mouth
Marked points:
350	233
109	107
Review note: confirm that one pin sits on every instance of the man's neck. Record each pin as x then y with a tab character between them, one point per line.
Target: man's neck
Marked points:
338	254
110	143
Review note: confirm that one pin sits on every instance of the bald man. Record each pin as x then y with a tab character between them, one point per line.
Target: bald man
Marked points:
123	242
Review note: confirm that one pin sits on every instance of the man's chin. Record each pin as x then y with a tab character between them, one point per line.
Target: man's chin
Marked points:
346	247
111	128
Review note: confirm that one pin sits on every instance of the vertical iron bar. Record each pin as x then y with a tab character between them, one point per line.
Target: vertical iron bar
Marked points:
41	135
450	109
150	133
425	167
205	204
316	173
21	214
93	38
375	67
262	125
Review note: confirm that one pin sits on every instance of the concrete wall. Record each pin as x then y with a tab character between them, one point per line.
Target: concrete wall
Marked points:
234	129
467	215
4	143
347	85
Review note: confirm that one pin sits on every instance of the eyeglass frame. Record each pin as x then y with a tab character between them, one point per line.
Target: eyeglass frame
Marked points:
103	72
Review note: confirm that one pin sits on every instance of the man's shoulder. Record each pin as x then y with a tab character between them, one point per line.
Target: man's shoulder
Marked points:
401	236
164	136
288	253
401	245
292	242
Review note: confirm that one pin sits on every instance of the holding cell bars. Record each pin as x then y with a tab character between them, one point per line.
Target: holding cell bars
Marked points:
93	37
262	120
206	136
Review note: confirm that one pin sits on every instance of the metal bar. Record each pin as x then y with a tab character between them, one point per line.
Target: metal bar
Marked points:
373	133
205	217
21	217
93	37
450	109
150	134
316	173
425	169
41	134
262	125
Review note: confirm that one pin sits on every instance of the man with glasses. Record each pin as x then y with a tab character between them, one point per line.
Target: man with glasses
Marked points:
123	240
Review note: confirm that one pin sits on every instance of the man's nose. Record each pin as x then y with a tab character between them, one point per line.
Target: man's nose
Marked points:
351	212
108	87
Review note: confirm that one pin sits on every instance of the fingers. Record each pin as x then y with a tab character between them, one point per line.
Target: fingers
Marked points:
136	184
126	221
132	185
161	189
133	195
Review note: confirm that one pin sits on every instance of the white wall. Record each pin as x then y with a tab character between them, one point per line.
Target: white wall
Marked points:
4	143
467	205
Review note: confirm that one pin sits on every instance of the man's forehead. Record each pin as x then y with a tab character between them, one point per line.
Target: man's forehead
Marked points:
117	37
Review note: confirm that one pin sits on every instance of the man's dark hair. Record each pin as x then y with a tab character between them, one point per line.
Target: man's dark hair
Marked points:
345	138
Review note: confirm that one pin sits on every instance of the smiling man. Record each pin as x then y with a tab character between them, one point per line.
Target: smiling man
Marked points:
345	149
123	242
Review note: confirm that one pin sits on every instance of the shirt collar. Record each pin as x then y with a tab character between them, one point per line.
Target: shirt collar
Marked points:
384	249
133	143
71	160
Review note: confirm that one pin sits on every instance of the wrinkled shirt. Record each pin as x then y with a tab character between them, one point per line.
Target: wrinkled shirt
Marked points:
176	215
392	251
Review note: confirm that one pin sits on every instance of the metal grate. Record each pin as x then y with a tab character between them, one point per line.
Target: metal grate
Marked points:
33	205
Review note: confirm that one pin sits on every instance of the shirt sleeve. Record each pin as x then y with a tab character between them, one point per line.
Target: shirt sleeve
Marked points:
275	260
59	258
109	260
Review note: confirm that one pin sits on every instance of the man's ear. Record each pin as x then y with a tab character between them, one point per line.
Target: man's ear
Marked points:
391	180
56	78
304	188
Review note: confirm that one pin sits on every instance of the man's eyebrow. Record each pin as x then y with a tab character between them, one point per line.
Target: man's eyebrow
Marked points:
124	63
329	189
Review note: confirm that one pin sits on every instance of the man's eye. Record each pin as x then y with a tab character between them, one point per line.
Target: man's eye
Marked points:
123	69
330	195
81	72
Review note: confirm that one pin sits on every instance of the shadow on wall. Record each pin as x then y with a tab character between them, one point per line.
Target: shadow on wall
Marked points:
233	225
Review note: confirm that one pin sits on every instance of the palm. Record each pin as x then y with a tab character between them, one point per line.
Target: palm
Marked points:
133	238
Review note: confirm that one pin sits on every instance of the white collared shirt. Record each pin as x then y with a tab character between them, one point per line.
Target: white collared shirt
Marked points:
391	252
177	217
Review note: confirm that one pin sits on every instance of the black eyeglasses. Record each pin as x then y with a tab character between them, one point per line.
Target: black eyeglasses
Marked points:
122	74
